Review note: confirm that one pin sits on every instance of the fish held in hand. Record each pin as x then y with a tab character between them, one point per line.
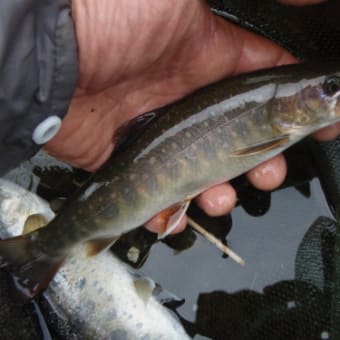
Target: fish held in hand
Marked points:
209	137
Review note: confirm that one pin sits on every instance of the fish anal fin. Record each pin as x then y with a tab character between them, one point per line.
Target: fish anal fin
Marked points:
97	245
261	147
164	216
30	269
174	216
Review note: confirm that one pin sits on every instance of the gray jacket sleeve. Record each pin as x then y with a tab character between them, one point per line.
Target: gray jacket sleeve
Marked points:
38	74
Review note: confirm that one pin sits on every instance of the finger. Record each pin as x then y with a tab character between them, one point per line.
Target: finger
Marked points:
218	200
328	133
270	174
157	224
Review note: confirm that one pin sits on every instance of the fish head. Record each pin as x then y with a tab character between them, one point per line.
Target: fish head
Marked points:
307	105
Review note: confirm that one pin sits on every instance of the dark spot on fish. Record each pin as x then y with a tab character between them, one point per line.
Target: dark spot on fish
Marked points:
52	284
146	337
78	324
90	306
93	109
63	274
111	315
81	283
119	334
100	290
139	325
77	311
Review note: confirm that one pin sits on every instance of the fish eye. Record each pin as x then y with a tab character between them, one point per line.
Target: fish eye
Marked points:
331	85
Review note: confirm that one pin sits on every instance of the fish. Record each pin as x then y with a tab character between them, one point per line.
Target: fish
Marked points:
206	138
99	296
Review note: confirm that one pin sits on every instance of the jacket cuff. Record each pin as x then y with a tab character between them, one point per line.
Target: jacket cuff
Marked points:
39	67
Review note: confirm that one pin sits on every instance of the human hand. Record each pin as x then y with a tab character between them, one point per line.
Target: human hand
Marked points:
139	55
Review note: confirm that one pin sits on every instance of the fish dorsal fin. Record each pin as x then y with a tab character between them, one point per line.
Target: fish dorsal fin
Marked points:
261	147
95	246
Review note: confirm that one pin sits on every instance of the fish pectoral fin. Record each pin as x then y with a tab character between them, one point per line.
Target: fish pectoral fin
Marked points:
97	245
30	268
144	288
34	222
174	216
131	130
261	147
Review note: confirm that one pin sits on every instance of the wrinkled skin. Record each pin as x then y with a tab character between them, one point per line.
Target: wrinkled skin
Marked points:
138	55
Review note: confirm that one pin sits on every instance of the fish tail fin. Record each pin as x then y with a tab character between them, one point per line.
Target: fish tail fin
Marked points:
30	269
